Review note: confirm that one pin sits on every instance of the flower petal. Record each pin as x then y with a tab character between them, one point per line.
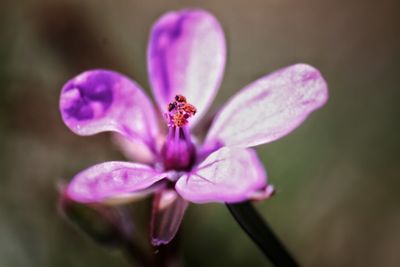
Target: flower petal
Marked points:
131	197
133	150
186	55
227	175
167	215
270	108
102	100
111	180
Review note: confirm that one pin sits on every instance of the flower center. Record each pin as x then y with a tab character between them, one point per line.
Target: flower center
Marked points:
179	111
179	152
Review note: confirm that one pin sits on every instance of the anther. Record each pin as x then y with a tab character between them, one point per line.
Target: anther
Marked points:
180	98
171	106
179	111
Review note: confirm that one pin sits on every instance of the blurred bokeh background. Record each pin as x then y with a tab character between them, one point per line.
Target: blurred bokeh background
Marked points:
337	175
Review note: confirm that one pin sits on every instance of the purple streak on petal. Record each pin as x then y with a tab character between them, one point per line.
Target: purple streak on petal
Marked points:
167	215
270	107
227	175
159	52
102	100
111	180
186	55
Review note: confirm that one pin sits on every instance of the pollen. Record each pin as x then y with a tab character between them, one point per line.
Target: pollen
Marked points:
179	111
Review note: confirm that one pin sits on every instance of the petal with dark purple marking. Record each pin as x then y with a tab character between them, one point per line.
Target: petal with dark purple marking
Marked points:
186	56
227	175
109	180
270	107
100	100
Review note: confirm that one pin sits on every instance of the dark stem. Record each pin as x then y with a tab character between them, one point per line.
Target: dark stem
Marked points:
258	230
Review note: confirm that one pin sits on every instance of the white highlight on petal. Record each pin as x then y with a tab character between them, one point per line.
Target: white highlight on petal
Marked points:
226	175
113	179
270	107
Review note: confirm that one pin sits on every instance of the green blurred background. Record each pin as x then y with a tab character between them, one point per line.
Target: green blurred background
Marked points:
337	176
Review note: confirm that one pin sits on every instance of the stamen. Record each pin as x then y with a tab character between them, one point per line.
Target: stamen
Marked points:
178	152
179	111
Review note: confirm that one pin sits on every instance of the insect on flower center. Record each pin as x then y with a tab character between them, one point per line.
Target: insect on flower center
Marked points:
179	111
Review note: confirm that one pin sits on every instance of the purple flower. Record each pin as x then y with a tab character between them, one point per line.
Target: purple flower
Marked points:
186	60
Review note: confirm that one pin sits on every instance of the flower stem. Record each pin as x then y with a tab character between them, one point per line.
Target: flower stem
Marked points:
259	231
